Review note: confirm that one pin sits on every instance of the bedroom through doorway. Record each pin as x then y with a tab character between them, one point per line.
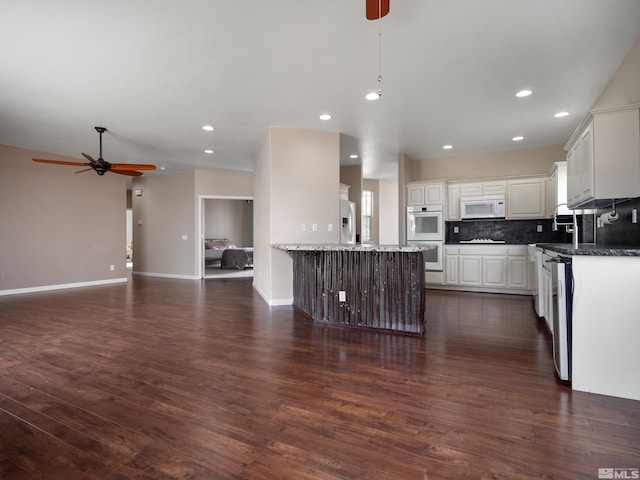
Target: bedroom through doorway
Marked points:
226	233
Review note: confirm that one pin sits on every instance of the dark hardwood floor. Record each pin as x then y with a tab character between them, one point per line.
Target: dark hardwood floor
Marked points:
159	379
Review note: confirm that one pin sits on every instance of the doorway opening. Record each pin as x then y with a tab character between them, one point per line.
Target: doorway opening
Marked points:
226	237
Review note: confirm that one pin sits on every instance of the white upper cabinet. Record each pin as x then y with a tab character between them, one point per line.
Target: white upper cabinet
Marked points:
478	189
425	193
453	202
455	191
526	198
557	190
603	159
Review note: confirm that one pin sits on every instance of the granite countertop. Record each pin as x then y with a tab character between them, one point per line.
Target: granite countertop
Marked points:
592	249
328	247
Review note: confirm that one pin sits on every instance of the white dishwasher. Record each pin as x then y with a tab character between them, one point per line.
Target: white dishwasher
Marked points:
558	277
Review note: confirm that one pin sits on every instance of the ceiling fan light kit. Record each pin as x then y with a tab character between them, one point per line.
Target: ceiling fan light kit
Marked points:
101	166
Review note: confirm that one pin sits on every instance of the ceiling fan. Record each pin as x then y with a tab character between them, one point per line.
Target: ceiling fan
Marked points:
101	166
377	9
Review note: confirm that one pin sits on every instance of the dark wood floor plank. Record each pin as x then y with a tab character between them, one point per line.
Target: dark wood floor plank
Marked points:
161	378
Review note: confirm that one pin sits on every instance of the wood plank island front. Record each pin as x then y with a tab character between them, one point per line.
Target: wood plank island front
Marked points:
383	285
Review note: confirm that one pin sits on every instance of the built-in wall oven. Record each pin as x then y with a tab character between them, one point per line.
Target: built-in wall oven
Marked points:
425	223
433	257
425	226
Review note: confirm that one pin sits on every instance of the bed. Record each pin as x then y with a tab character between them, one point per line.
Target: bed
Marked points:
224	253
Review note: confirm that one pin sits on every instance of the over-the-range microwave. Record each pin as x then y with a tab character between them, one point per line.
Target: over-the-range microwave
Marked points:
486	206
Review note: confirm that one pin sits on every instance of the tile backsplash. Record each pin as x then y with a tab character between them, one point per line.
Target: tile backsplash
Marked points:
622	231
518	231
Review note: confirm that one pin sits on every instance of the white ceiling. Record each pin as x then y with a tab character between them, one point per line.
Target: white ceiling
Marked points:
153	72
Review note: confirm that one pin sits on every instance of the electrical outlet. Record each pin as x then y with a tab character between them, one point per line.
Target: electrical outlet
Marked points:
634	215
342	296
303	227
330	227
112	267
456	229
314	227
539	228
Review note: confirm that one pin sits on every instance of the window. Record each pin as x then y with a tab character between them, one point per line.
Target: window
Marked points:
367	215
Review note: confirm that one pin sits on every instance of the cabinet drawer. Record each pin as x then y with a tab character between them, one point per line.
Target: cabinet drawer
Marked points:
483	250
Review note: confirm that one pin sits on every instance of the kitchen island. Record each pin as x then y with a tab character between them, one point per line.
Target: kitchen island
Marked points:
367	286
605	323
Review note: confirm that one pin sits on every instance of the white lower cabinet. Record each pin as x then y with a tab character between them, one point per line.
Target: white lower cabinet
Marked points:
470	270
491	268
517	272
494	272
451	266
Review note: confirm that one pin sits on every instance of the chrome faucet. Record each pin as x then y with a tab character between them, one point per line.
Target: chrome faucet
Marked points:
571	228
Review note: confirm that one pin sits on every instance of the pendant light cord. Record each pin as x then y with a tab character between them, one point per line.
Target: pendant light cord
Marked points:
380	47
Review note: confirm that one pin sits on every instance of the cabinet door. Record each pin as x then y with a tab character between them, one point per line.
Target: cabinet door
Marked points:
494	188
552	193
434	193
451	269
517	274
470	270
470	189
580	174
493	271
453	202
526	198
415	195
585	166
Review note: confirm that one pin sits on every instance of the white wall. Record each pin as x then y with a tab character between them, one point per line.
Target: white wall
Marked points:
297	176
169	209
388	207
228	218
58	229
624	86
162	216
506	163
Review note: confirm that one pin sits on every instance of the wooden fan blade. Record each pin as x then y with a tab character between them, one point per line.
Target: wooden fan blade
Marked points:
377	9
85	170
132	166
90	158
59	162
131	173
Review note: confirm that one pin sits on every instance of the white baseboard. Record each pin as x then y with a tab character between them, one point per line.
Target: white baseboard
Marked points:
166	275
271	302
46	288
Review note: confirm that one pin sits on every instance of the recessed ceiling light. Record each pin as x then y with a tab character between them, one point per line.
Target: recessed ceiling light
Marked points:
517	139
208	151
524	93
208	128
325	116
561	114
447	147
353	155
372	96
